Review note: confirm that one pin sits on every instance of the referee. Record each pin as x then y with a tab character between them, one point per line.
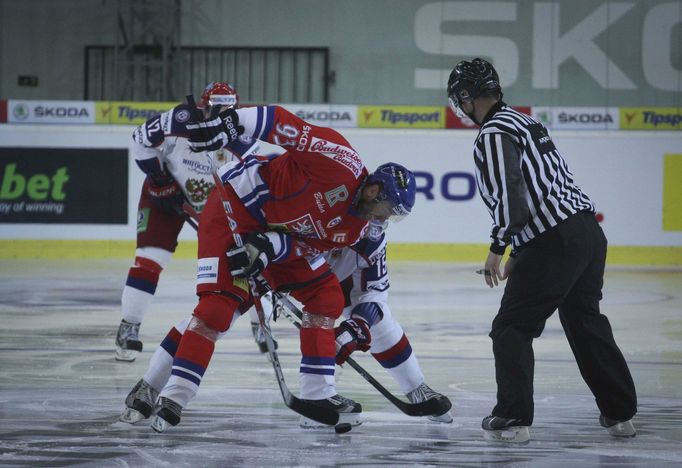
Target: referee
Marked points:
557	259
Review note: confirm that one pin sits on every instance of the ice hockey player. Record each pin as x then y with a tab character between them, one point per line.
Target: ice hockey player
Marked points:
369	325
175	175
314	197
363	268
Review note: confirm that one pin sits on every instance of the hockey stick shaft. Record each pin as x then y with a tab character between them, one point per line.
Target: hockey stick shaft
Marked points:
425	408
309	410
189	214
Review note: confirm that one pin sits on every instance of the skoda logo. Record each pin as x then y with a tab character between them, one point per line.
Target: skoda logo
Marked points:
20	112
544	117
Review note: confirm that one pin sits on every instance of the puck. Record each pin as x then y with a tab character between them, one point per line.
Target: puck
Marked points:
342	428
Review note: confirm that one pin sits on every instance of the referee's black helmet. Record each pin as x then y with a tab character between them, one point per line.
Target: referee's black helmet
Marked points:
469	80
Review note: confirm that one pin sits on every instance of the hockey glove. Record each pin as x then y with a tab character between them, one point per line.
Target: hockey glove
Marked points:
253	257
351	334
214	133
165	193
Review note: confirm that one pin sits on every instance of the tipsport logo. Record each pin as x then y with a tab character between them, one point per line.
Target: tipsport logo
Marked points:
129	113
402	116
652	118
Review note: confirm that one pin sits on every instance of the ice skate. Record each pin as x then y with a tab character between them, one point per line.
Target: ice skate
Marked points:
128	346
422	393
504	430
618	428
139	403
168	414
349	411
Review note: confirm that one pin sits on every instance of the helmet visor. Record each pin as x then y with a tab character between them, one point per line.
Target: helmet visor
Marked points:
384	210
456	107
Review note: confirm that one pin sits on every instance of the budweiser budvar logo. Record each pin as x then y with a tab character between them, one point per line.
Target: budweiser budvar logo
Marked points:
341	154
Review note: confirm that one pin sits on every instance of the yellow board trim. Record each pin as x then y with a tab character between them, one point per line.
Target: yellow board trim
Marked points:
21	249
672	192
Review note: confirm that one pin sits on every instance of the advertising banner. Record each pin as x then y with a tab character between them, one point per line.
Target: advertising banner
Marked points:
578	118
50	112
64	185
672	192
129	113
607	165
651	118
452	121
326	115
401	116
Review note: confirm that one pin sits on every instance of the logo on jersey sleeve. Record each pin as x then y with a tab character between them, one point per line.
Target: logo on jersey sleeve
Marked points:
207	270
343	155
182	116
142	219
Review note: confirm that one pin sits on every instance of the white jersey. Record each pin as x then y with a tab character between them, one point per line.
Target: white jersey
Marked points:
365	263
161	144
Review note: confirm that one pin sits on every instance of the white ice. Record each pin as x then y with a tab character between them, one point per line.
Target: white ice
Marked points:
61	390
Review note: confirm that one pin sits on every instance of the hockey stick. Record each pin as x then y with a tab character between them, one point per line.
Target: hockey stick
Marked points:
424	408
189	214
302	407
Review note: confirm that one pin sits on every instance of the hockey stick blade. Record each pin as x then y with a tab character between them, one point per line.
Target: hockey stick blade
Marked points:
424	408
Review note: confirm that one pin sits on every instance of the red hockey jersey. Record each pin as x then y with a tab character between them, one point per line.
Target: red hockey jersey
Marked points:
308	191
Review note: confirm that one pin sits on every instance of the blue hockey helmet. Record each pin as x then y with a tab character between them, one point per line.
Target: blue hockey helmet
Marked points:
398	189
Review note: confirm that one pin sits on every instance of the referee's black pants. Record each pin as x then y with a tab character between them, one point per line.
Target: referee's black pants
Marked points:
563	268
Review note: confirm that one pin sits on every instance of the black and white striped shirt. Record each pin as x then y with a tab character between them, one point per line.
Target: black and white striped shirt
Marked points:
522	178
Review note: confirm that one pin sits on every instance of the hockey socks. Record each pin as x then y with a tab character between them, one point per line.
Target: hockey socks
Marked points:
159	369
138	292
191	360
318	359
402	364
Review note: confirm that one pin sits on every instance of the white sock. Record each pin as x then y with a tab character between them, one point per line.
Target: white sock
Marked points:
134	304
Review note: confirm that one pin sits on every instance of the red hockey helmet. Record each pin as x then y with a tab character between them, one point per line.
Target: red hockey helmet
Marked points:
219	93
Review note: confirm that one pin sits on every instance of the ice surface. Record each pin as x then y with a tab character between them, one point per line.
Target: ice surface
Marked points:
61	390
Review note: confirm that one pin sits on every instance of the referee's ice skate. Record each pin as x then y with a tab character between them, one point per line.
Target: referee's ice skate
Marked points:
618	428
505	430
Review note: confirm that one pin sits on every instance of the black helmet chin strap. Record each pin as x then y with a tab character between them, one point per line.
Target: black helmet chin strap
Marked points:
472	113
